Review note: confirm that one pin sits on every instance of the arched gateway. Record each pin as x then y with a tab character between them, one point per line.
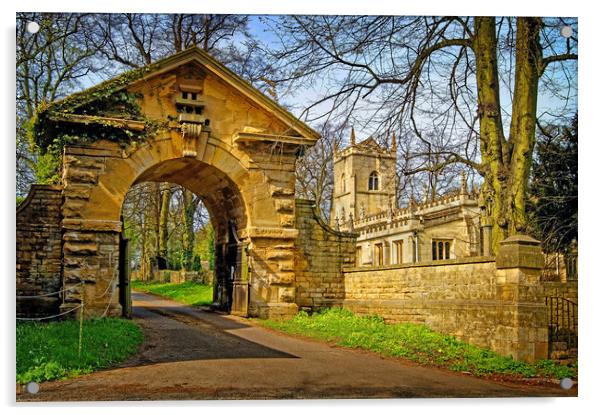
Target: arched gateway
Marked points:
187	120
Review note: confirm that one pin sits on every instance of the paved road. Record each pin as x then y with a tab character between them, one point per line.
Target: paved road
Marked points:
192	354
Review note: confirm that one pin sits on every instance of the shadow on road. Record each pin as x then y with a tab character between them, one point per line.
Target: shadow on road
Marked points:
175	333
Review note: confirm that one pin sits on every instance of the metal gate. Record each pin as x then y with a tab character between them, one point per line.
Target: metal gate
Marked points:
562	321
125	293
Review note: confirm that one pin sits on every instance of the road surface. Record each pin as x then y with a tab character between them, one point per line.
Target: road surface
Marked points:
193	354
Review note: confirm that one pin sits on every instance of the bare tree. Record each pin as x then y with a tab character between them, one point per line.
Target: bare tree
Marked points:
474	80
50	63
315	169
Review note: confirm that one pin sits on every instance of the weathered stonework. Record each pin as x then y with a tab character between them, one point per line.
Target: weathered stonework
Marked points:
321	255
213	134
566	290
496	305
39	252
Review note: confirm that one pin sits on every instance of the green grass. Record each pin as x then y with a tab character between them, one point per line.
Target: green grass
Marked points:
415	342
188	292
49	351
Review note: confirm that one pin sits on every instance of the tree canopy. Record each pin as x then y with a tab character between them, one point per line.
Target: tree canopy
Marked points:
553	187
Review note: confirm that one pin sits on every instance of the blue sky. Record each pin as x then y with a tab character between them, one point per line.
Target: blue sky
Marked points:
547	103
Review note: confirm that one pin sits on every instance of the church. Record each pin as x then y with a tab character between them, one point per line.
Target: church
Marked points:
364	202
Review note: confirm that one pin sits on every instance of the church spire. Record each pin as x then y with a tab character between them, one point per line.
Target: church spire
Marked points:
393	143
352	136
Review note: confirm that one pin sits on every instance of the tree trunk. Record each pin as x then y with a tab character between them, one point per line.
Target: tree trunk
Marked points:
188	235
163	221
524	116
506	163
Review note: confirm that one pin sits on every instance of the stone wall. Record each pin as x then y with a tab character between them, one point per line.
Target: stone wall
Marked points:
566	290
321	255
178	276
39	252
456	296
490	302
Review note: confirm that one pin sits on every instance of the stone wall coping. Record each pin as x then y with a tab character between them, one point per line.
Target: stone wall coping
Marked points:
442	303
456	261
33	190
520	251
520	240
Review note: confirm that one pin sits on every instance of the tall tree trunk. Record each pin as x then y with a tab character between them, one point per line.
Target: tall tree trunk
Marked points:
157	215
521	142
490	121
188	235
506	163
164	220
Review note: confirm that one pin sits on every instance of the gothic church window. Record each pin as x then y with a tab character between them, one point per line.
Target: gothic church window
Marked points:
373	181
343	189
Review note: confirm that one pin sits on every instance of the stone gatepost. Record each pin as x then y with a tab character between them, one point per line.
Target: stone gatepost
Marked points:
91	266
522	329
90	239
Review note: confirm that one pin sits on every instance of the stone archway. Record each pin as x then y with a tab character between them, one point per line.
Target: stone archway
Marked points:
96	181
202	127
228	214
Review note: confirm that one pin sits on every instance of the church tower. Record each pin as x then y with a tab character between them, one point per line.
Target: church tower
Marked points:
364	181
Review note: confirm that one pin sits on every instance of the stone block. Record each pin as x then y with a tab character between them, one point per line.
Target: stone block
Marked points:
80	248
520	251
285	206
76	175
282	278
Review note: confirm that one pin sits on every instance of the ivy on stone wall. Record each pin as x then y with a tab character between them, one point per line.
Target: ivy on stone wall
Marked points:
50	129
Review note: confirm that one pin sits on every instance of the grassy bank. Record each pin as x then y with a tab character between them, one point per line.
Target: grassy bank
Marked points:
48	351
187	292
411	341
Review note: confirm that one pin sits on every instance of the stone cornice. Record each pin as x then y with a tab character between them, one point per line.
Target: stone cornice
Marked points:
244	137
269	232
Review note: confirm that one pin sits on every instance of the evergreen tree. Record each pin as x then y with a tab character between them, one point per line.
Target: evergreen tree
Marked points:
553	188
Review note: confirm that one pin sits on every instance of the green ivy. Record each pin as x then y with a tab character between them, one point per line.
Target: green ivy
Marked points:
107	99
47	168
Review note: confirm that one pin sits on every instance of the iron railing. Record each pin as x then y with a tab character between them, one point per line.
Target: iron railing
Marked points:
562	321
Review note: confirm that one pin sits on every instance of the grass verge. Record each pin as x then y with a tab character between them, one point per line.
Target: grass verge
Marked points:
415	342
188	292
49	351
